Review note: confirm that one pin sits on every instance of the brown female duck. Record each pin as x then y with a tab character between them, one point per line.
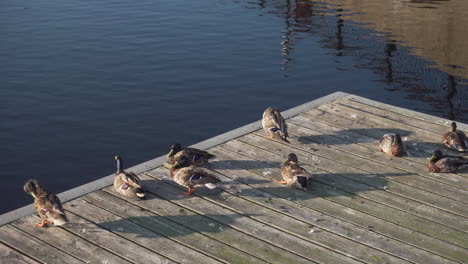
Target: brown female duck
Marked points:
47	205
439	162
192	176
196	156
127	183
293	174
392	145
274	125
455	139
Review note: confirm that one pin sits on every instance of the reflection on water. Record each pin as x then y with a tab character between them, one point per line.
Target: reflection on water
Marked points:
85	80
434	31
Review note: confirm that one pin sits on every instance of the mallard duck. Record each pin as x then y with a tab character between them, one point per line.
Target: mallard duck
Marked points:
196	156
274	125
191	176
439	162
127	183
47	205
392	145
293	174
455	139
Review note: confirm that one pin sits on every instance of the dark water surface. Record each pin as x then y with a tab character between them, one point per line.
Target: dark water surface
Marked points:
82	81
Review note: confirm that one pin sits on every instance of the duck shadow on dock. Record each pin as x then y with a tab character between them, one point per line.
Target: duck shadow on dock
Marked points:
179	225
351	136
322	185
240	164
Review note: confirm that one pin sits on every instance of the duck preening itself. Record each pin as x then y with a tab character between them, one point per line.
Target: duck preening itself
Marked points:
392	145
196	156
127	183
274	125
47	205
455	139
293	174
192	176
439	162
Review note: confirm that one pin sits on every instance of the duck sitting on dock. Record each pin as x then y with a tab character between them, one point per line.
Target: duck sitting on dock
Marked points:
127	183
392	145
196	156
274	125
191	176
455	139
47	205
439	162
293	174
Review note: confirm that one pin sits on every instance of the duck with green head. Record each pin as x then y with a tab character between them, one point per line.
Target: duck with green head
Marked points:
192	176
392	145
293	174
127	183
196	156
455	139
274	125
47	205
439	162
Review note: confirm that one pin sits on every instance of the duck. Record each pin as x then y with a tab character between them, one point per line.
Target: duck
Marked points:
392	145
127	183
47	204
293	174
439	162
196	156
192	176
274	125
455	139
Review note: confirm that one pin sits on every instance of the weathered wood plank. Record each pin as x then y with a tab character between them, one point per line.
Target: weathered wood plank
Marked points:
416	123
12	256
360	183
245	224
409	184
319	222
33	247
421	140
370	207
171	226
402	111
290	225
350	143
263	170
67	242
420	161
112	242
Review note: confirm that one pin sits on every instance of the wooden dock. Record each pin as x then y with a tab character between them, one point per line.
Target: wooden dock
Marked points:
363	206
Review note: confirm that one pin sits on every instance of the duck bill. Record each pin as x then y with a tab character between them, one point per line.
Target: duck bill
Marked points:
171	153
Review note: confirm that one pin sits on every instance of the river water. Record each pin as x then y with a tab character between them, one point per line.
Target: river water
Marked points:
82	81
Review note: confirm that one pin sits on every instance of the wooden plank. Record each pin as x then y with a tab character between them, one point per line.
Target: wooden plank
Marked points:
291	225
12	256
402	111
370	207
217	225
421	140
317	220
33	247
407	183
110	241
245	224
262	170
419	160
347	199
360	183
170	228
414	122
67	242
349	143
